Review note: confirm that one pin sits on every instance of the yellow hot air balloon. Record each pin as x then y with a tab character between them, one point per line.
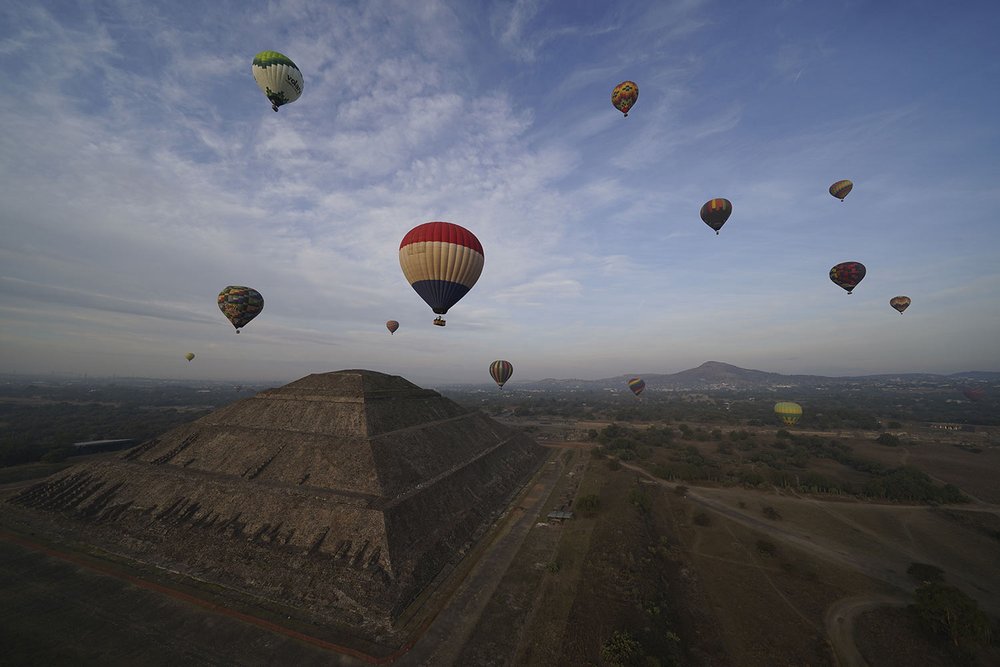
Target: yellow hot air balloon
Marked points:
189	356
789	412
624	95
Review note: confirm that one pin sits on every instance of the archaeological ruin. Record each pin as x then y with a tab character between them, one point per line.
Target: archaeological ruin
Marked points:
340	495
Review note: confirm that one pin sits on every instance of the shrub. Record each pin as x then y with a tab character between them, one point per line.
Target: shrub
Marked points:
589	505
888	439
702	519
620	649
766	548
614	464
771	513
680	490
925	572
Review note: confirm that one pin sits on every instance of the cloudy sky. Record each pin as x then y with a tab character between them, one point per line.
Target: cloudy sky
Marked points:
142	170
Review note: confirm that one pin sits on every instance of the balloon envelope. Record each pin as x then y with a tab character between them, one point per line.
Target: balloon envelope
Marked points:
715	212
278	77
189	356
392	325
840	189
789	412
900	303
501	370
240	304
636	385
848	275
973	393
624	96
441	261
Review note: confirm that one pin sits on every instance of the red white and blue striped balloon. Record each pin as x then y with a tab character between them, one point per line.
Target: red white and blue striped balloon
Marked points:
441	261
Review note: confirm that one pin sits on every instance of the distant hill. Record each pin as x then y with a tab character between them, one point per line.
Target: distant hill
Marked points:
719	375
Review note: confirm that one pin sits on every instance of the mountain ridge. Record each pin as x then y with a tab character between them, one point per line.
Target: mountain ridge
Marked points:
721	375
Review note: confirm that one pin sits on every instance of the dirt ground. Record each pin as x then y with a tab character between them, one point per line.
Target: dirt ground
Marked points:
695	576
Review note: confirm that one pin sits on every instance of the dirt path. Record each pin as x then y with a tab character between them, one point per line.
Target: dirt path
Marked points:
444	639
839	622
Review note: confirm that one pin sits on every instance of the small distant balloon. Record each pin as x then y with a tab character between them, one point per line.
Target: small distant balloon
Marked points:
189	356
501	370
636	385
392	325
715	212
788	412
278	77
240	304
841	189
900	303
974	394
624	96
848	274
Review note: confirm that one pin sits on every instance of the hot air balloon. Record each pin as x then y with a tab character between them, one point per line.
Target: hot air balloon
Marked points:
441	261
900	303
790	413
840	189
715	212
189	356
973	393
624	96
240	304
636	385
501	371
848	275
278	77
392	325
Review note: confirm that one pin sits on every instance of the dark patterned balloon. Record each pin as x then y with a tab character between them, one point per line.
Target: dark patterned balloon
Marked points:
848	275
841	189
240	304
900	303
501	371
636	385
392	325
715	212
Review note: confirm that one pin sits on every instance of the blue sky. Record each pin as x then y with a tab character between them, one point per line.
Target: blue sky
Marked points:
142	170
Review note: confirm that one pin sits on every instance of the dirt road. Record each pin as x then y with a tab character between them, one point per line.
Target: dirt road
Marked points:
839	622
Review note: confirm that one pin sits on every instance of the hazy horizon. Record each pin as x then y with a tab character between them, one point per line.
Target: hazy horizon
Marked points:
142	171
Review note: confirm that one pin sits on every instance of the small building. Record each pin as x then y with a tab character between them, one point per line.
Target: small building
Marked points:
559	515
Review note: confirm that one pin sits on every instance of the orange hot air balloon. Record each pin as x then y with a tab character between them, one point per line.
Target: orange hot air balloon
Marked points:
392	325
715	212
624	96
840	189
900	303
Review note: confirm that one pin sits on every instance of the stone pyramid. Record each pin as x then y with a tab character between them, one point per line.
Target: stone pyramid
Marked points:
341	494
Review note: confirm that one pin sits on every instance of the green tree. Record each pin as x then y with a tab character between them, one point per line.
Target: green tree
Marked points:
946	610
621	649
